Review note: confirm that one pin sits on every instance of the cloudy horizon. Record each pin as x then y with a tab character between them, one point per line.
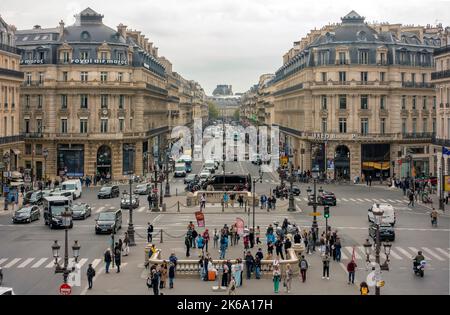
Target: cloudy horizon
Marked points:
224	41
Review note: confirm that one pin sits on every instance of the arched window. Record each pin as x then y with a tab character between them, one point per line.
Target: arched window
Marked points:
362	36
85	35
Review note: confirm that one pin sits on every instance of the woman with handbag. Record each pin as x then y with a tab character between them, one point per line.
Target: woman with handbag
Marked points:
125	246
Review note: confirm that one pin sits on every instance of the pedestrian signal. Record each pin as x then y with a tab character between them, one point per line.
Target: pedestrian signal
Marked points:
326	212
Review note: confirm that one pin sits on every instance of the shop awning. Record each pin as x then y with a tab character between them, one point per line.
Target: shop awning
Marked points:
376	165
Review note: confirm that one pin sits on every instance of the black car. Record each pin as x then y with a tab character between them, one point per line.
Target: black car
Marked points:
35	198
80	211
27	214
191	178
295	190
387	232
108	221
108	192
327	198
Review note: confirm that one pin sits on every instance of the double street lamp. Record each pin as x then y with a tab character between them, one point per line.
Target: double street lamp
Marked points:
65	270
130	229
291	180
255	180
6	161
313	201
378	213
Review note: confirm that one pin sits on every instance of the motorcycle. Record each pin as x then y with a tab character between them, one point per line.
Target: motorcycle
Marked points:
419	268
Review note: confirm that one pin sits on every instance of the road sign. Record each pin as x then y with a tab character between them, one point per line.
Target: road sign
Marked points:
315	214
65	289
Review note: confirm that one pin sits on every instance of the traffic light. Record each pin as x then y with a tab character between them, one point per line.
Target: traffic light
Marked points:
326	212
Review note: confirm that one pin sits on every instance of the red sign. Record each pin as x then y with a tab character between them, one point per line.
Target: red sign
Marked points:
200	217
65	289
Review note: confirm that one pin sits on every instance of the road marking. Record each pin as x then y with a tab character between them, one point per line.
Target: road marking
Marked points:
390	200
12	263
376	200
3	260
95	262
305	199
360	200
39	263
343	256
352	199
415	250
51	264
298	208
99	209
345	199
429	251
82	262
350	250
404	252
141	209
369	200
25	263
382	200
395	255
443	252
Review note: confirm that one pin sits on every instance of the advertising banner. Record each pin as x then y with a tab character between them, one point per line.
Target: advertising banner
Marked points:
330	164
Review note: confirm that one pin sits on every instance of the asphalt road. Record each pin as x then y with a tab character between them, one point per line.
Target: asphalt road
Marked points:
26	256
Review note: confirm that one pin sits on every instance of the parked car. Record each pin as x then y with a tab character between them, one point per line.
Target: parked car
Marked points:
125	201
388	216
191	178
80	211
109	221
109	192
327	198
143	189
387	232
27	214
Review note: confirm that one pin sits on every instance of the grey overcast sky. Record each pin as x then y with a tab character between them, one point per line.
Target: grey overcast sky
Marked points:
224	41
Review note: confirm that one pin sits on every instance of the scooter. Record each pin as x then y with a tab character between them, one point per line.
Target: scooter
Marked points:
419	268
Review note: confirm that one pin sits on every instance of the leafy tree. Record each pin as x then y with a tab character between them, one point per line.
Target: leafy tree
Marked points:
213	111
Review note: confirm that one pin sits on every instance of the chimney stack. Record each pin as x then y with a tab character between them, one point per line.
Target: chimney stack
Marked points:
61	28
122	30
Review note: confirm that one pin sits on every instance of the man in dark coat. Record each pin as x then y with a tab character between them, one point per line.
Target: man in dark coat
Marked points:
90	275
117	256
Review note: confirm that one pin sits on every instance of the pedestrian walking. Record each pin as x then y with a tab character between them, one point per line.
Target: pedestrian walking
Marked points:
206	239
303	264
117	256
351	268
326	266
90	275
258	235
149	232
223	246
108	259
171	274
202	202
226	198
251	237
225	275
411	198
155	282
288	278
232	287
287	245
126	244
276	278
249	263
337	249
279	247
187	242
258	267
269	250
194	236
149	200
200	242
232	199
164	271
216	239
240	201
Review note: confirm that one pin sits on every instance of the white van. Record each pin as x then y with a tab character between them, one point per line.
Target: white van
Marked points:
210	166
388	216
180	170
74	186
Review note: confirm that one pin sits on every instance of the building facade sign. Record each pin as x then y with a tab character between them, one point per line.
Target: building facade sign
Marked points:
99	61
32	61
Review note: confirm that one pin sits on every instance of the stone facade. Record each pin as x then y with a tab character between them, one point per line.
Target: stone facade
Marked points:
353	99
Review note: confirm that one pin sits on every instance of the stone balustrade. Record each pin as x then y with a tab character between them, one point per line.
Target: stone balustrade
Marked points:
216	197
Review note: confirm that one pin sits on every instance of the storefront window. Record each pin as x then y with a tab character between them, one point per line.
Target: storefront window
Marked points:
128	154
71	160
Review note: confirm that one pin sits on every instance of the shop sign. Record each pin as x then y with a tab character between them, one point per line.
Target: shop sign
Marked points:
100	61
31	61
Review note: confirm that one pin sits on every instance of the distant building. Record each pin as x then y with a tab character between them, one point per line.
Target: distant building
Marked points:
223	90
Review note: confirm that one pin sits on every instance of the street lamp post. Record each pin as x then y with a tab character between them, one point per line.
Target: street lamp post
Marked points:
45	154
65	270
167	192
291	206
130	222
254	194
313	202
155	189
378	213
6	160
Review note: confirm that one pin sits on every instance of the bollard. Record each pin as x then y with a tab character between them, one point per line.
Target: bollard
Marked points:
161	240
176	192
164	207
178	206
223	206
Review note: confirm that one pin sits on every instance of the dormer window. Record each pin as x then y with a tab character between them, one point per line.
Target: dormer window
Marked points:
84	55
362	36
85	35
120	55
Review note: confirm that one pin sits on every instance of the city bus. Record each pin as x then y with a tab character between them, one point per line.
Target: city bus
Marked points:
187	160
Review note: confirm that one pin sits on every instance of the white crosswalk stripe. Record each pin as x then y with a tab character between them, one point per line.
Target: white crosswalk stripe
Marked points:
82	262
51	264
99	209
39	263
12	263
395	255
360	200
3	260
376	200
343	256
390	200
350	251
352	199
367	200
446	254
430	252
305	199
415	251
25	263
141	209
345	199
382	200
95	262
404	252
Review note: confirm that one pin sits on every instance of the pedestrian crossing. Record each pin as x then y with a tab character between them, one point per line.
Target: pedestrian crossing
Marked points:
42	263
359	200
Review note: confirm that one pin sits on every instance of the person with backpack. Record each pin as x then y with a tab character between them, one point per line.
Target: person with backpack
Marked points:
90	275
200	242
187	242
155	282
249	263
303	264
194	236
351	268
